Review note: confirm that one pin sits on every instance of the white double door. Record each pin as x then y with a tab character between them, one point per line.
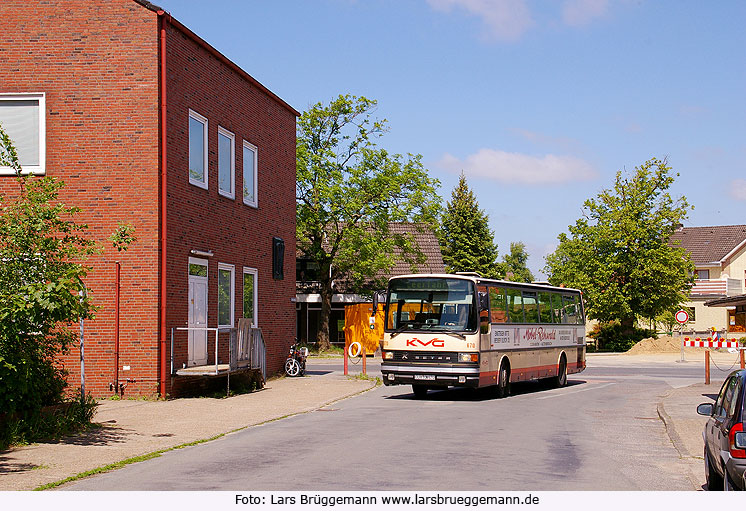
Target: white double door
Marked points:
197	318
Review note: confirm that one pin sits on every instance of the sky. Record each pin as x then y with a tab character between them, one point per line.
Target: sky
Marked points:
538	102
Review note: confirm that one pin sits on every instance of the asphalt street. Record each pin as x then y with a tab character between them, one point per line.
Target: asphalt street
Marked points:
601	432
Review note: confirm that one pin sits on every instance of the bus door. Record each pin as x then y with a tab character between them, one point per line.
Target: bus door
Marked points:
484	318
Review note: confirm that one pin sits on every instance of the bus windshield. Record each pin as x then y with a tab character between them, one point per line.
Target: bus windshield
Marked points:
431	304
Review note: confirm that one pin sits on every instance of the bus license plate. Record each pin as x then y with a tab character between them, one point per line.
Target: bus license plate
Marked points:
424	377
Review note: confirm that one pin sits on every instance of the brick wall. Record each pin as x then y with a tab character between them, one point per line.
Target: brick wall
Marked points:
200	219
97	64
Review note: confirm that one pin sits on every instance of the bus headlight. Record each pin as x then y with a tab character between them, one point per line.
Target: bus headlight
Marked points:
468	357
388	355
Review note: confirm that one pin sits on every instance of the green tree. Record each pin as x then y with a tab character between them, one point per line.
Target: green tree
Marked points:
466	240
619	252
514	264
348	191
40	278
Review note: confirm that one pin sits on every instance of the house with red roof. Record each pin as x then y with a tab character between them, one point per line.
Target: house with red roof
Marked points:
719	257
308	288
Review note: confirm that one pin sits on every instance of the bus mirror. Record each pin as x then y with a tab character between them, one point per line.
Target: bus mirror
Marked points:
378	297
483	301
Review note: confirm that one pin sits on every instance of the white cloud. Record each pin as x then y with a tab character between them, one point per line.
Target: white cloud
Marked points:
737	189
506	20
577	13
514	168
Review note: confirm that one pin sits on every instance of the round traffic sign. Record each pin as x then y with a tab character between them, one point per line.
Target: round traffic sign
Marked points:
682	316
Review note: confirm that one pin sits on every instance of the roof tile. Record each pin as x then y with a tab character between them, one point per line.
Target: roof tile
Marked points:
710	244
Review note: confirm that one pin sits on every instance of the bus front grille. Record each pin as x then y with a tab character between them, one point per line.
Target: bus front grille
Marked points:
425	356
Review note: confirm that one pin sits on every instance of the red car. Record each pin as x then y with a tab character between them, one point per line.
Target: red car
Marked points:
725	436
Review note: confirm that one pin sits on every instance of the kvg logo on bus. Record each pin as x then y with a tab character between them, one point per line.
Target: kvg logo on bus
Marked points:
435	343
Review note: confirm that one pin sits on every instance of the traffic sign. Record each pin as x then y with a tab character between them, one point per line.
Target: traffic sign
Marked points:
682	316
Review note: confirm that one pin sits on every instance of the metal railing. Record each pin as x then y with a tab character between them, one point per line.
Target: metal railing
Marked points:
197	329
246	346
717	287
259	352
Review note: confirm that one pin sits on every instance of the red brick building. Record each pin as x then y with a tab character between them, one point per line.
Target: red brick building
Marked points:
148	124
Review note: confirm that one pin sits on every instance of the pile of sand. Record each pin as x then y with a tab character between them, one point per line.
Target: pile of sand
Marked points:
663	344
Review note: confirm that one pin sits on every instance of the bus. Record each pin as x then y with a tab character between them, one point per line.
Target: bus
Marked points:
462	330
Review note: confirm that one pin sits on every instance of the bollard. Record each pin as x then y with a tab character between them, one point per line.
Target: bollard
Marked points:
740	351
345	356
364	357
707	367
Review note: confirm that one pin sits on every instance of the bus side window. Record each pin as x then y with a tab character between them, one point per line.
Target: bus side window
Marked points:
545	307
530	308
557	308
569	307
498	307
578	311
515	305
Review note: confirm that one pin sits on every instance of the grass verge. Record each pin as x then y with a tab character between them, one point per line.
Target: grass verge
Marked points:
123	463
366	377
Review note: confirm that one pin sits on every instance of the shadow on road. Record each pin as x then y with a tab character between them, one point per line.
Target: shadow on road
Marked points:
487	393
317	373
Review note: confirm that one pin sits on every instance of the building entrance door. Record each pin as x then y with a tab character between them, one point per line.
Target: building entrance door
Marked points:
197	317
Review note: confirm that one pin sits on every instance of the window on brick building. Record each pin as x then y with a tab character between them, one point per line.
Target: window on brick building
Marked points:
226	163
250	294
23	117
249	174
225	294
197	149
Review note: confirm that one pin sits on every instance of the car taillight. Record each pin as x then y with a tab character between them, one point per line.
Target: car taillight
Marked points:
734	451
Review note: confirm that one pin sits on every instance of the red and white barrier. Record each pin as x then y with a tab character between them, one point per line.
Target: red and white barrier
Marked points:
710	343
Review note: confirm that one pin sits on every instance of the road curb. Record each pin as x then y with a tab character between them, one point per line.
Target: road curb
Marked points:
673	435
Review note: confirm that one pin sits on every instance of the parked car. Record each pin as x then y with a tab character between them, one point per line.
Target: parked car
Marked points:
725	437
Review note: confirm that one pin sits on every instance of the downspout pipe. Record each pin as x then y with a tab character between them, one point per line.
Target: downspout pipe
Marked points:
116	325
162	17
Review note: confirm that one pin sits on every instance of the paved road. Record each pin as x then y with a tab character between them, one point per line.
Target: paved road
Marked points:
601	432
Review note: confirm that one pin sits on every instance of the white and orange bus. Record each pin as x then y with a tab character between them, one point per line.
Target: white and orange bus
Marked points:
463	330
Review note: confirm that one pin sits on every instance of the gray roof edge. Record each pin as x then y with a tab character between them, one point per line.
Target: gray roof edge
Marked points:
724	302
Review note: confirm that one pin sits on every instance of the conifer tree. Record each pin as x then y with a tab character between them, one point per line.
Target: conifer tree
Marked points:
466	240
514	264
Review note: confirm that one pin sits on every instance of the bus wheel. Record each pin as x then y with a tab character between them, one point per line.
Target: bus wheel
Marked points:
561	379
503	382
420	391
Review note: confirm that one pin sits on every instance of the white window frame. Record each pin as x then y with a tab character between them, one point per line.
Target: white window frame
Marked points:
200	262
202	119
255	273
703	270
231	194
252	203
40	169
232	269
